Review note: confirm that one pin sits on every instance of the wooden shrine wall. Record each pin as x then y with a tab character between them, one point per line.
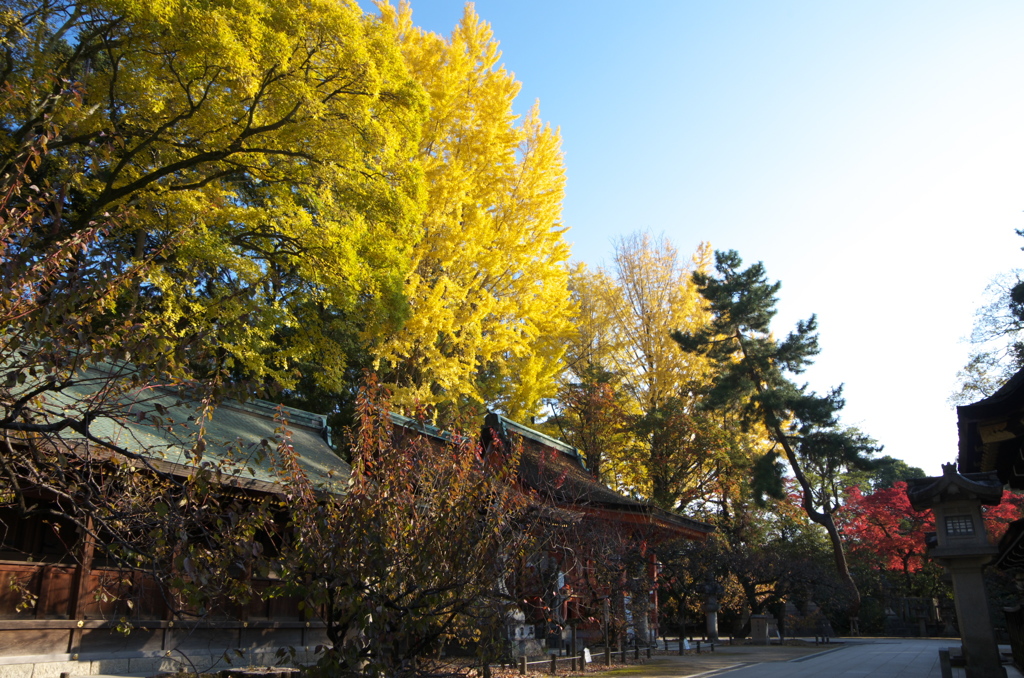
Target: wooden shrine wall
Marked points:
64	612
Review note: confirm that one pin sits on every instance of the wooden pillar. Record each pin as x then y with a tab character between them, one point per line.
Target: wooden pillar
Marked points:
655	617
167	615
79	586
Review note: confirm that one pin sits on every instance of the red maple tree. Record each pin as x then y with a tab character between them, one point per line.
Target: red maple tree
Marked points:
883	526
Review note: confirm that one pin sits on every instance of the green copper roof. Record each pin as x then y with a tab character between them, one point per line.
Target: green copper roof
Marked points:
241	439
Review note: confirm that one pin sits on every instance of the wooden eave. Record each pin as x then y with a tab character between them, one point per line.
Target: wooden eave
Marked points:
991	434
695	530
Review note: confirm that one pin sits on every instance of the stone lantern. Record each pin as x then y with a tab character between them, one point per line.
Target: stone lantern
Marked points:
963	548
712	590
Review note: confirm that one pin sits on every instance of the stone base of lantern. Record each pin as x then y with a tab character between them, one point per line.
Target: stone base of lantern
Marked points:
972	610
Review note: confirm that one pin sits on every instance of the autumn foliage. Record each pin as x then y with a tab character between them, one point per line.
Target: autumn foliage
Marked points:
413	555
883	527
487	295
260	196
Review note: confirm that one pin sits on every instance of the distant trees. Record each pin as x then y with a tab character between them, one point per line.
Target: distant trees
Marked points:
592	411
883	526
761	557
593	415
886	471
627	385
997	339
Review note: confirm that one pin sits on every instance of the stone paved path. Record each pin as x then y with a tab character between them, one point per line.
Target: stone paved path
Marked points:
909	658
857	658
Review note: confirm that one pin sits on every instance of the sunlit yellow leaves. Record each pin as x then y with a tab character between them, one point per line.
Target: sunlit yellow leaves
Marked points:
266	150
628	390
488	294
314	182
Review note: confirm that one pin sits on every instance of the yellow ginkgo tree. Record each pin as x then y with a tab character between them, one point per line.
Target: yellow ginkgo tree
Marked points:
628	394
261	152
487	292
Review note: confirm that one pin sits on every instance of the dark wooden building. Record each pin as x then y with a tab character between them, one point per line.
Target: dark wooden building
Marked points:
991	433
61	602
602	560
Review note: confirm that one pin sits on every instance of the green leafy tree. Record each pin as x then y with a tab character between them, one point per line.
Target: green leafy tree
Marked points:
592	410
886	472
591	415
78	360
752	376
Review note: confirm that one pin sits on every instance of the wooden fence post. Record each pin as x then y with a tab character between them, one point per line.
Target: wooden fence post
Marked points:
572	635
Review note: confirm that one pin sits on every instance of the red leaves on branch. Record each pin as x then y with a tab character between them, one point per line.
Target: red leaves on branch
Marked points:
884	526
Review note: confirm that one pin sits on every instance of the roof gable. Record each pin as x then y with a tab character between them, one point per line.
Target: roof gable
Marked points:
556	472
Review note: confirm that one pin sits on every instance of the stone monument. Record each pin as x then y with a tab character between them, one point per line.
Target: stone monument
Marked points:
759	629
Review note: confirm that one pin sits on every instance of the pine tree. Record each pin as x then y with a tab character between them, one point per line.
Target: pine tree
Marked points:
752	376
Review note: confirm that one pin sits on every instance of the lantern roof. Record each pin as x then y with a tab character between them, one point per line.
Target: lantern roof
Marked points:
951	486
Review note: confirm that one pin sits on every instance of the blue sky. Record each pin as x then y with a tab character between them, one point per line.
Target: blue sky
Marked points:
871	154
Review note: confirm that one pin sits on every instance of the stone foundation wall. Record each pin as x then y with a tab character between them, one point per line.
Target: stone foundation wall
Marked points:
52	666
